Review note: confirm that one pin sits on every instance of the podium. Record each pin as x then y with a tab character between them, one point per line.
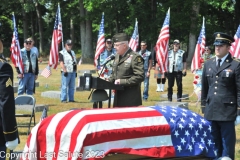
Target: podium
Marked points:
88	82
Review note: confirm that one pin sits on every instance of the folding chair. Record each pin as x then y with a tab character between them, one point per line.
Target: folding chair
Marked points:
25	107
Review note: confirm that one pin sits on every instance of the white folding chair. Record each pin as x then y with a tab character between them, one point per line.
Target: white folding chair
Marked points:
25	107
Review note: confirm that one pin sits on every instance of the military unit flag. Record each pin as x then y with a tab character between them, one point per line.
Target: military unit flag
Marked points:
133	44
101	41
235	48
199	50
15	48
56	40
162	44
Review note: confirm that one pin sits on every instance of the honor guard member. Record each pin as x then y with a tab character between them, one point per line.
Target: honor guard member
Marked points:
221	95
176	69
127	71
8	124
109	50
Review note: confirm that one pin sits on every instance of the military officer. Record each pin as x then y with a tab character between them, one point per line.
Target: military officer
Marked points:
127	71
8	125
221	95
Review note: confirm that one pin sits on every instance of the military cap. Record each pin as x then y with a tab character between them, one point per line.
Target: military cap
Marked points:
222	38
69	41
119	37
176	41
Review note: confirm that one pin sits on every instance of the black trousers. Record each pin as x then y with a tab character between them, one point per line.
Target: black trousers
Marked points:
171	78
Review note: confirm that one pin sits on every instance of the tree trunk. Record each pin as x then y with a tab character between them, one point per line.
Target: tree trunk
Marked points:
72	30
82	29
40	27
192	35
89	55
25	26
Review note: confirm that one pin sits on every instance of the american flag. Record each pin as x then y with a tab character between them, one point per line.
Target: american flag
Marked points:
46	72
16	56
44	114
56	39
133	44
162	44
235	48
100	42
154	131
199	50
80	61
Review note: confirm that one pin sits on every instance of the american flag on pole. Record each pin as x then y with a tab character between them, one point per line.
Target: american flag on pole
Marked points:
235	48
46	72
100	42
199	50
155	131
162	44
16	56
133	44
56	40
44	114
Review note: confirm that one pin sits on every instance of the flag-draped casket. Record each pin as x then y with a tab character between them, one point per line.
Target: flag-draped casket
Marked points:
155	131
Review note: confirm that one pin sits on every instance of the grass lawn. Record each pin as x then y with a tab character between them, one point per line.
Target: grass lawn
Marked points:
53	83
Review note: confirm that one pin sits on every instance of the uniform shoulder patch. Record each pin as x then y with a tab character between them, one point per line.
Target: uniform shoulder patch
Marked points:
9	82
235	59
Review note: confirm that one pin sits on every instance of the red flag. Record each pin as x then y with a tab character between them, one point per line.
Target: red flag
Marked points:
235	48
133	44
162	44
200	47
100	42
46	72
16	56
155	131
56	39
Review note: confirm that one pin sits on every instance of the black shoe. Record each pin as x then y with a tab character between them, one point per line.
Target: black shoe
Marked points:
63	101
144	99
179	100
72	101
170	99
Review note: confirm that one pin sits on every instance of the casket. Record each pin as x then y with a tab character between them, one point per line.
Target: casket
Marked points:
154	132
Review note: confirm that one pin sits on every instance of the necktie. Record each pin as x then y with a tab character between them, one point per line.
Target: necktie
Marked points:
219	62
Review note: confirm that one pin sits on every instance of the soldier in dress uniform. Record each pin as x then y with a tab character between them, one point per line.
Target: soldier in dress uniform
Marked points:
127	71
221	95
8	125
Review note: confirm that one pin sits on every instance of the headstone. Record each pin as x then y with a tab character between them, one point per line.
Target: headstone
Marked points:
51	94
15	89
86	71
175	104
174	96
38	107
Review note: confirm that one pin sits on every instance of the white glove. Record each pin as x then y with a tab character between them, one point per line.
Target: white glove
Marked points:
12	144
237	120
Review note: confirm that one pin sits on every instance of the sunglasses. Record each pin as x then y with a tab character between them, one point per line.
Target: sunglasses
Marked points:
109	42
28	43
143	45
69	44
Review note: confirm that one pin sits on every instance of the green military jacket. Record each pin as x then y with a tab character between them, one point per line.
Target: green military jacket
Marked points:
129	69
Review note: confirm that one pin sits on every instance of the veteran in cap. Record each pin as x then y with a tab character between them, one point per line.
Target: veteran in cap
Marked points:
127	71
8	125
221	95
